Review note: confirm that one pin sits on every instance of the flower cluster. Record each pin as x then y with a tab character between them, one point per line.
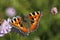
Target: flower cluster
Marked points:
5	27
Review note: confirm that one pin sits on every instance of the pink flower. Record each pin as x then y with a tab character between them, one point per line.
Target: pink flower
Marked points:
54	10
5	27
10	12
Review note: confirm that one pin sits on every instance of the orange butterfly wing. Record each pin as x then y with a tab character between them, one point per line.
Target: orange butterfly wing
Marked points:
35	19
18	25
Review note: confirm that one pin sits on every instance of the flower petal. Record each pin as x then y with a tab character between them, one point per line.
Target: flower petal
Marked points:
1	35
5	27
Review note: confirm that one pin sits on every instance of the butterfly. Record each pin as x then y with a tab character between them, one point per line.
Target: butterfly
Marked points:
34	19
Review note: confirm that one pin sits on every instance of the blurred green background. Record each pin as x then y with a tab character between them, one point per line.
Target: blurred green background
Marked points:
49	26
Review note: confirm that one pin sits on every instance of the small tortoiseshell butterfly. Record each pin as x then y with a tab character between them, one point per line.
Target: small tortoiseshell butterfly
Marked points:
33	17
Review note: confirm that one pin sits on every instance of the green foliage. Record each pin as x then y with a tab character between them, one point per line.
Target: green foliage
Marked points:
49	26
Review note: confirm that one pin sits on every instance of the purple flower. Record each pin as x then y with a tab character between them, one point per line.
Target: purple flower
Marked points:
54	10
10	12
5	27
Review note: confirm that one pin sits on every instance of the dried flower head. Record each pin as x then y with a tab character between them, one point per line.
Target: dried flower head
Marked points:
54	10
10	12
